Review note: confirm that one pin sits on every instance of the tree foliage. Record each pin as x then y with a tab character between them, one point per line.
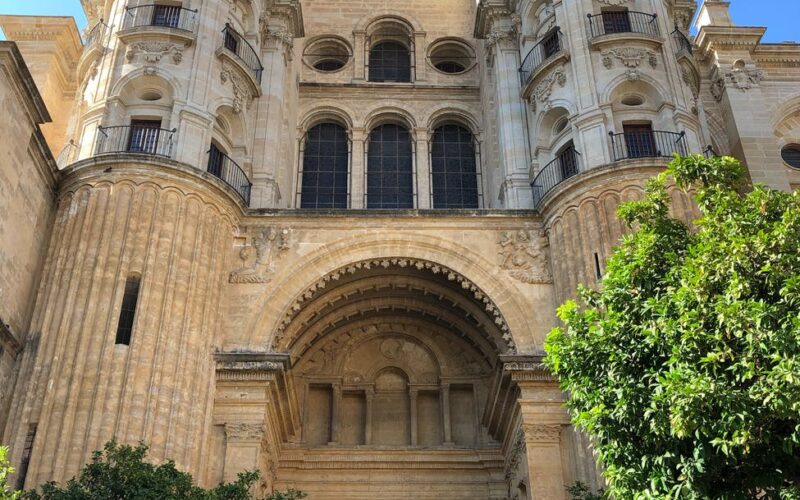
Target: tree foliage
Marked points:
685	367
121	472
6	493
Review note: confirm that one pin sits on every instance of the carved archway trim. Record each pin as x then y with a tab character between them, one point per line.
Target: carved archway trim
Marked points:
468	286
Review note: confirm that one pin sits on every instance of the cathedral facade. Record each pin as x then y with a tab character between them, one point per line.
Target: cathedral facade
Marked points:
326	239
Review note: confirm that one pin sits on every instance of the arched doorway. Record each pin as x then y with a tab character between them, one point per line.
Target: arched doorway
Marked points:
392	363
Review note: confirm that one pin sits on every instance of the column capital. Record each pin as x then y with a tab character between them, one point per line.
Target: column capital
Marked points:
542	433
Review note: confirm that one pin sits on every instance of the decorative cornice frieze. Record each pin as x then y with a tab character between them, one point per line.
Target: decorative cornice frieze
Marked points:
630	57
542	433
152	52
239	431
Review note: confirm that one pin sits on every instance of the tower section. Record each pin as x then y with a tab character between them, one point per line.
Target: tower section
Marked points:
608	91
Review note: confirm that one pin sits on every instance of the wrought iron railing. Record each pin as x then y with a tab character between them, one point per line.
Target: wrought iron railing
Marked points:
623	21
564	166
97	35
647	144
222	166
135	139
233	42
709	152
550	45
165	16
682	41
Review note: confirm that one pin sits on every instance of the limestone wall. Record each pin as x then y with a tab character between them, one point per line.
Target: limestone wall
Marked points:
27	182
78	388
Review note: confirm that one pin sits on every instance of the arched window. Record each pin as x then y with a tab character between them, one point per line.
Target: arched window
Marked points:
325	167
454	172
389	61
390	168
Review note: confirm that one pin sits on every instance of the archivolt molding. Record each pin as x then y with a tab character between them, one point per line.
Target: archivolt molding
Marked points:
468	286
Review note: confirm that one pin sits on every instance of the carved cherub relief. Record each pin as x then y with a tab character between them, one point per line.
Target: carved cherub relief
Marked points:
524	256
258	258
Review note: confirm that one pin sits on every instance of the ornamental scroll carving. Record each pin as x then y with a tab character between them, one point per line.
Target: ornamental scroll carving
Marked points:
524	256
258	258
630	57
542	433
244	431
544	90
515	454
242	96
745	78
152	52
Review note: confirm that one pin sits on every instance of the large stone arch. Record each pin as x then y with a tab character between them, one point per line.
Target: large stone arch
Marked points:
294	284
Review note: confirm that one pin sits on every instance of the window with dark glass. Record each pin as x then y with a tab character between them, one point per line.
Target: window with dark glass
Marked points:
390	168
639	140
551	44
127	312
389	62
231	42
216	158
616	21
568	161
454	172
166	15
324	181
143	136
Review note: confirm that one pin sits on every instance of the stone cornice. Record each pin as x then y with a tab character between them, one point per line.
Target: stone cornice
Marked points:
714	38
486	11
291	11
778	54
16	64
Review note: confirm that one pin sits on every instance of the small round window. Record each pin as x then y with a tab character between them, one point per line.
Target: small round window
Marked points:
791	155
451	57
327	54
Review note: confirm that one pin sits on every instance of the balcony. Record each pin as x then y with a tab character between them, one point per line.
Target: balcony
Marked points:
682	43
94	47
545	53
171	21
564	166
239	51
622	24
136	139
647	144
223	167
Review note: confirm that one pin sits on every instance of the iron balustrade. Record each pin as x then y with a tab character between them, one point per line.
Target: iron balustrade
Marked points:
550	45
166	16
682	41
564	166
223	167
709	152
135	139
647	144
235	43
623	21
97	34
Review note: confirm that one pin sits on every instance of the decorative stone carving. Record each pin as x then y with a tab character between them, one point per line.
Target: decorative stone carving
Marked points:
279	36
630	57
744	78
515	454
544	89
633	75
263	247
524	256
151	52
242	96
717	88
614	3
466	284
542	433
244	431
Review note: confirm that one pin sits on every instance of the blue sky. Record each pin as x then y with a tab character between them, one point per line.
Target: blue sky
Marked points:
780	16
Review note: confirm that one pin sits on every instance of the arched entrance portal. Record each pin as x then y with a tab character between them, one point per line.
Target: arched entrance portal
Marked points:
392	361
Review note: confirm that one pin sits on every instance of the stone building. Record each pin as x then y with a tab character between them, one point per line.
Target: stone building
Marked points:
325	239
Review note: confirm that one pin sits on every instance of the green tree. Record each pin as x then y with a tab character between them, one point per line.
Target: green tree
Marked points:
685	367
6	493
121	472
